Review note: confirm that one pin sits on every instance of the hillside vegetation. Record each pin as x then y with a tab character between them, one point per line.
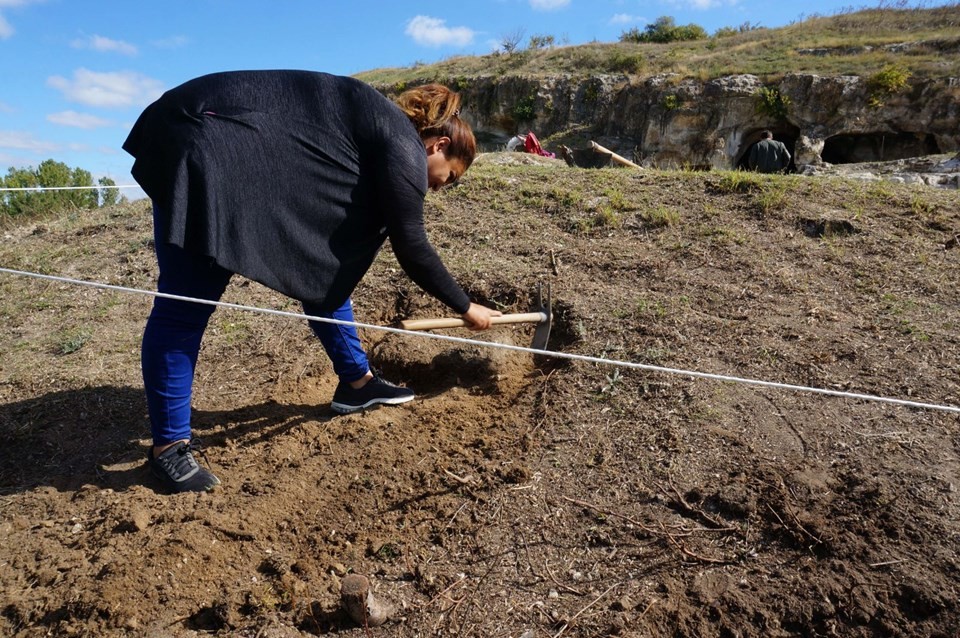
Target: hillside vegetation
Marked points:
925	42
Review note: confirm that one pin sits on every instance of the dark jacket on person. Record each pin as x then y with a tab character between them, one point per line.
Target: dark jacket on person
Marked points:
769	156
291	178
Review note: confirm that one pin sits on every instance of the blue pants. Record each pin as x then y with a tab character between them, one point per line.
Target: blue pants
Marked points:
171	339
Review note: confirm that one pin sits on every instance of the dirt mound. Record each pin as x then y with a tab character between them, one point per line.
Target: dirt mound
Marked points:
518	495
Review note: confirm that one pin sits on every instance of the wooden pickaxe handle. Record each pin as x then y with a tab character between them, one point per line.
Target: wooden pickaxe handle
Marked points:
452	322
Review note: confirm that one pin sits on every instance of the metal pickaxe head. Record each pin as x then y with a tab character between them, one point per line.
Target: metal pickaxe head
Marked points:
542	333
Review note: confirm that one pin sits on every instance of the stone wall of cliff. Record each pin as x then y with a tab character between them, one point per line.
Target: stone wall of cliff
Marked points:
669	121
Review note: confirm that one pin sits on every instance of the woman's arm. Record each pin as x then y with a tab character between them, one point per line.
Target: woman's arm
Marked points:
402	187
420	261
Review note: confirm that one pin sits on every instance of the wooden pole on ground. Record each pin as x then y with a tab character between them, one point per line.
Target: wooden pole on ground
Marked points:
619	159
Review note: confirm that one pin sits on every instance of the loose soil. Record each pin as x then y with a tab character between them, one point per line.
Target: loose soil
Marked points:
518	495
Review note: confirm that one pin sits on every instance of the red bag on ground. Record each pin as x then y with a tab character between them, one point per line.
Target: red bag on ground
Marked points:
532	145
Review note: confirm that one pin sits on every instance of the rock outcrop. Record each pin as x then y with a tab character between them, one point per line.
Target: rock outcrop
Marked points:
670	121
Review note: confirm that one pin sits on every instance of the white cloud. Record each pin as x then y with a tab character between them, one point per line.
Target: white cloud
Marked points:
173	42
434	32
6	30
548	5
626	18
112	90
703	4
78	120
106	45
25	142
6	108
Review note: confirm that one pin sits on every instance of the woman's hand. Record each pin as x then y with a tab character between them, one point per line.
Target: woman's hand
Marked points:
479	316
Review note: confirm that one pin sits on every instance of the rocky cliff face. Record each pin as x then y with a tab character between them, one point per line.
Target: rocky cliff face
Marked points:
667	121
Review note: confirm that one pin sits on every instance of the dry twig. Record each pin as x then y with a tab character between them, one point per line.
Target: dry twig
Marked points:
462	580
663	533
799	526
559	584
646	528
465	480
647	608
696	512
703	559
566	625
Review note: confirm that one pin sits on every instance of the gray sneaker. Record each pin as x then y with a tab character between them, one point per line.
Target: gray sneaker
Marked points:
179	471
376	391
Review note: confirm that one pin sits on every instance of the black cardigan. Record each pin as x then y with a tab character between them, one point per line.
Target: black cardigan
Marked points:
290	178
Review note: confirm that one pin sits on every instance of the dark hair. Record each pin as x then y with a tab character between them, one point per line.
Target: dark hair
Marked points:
766	135
435	111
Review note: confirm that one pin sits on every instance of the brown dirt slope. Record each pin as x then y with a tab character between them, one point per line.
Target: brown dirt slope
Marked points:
516	496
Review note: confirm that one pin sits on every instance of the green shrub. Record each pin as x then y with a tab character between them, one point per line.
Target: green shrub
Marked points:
606	216
591	93
617	200
70	341
48	175
620	62
772	198
745	27
739	182
772	103
525	109
671	102
541	42
632	35
664	29
688	32
660	217
888	81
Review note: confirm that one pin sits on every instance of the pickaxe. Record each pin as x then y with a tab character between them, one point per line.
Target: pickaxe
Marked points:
540	314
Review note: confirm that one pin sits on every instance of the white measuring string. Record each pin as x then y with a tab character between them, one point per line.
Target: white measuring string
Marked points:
38	189
503	346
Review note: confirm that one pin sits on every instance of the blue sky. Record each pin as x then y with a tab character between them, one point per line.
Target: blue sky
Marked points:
75	74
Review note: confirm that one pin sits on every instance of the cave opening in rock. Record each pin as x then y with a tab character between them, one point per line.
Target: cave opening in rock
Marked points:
784	133
490	142
850	148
